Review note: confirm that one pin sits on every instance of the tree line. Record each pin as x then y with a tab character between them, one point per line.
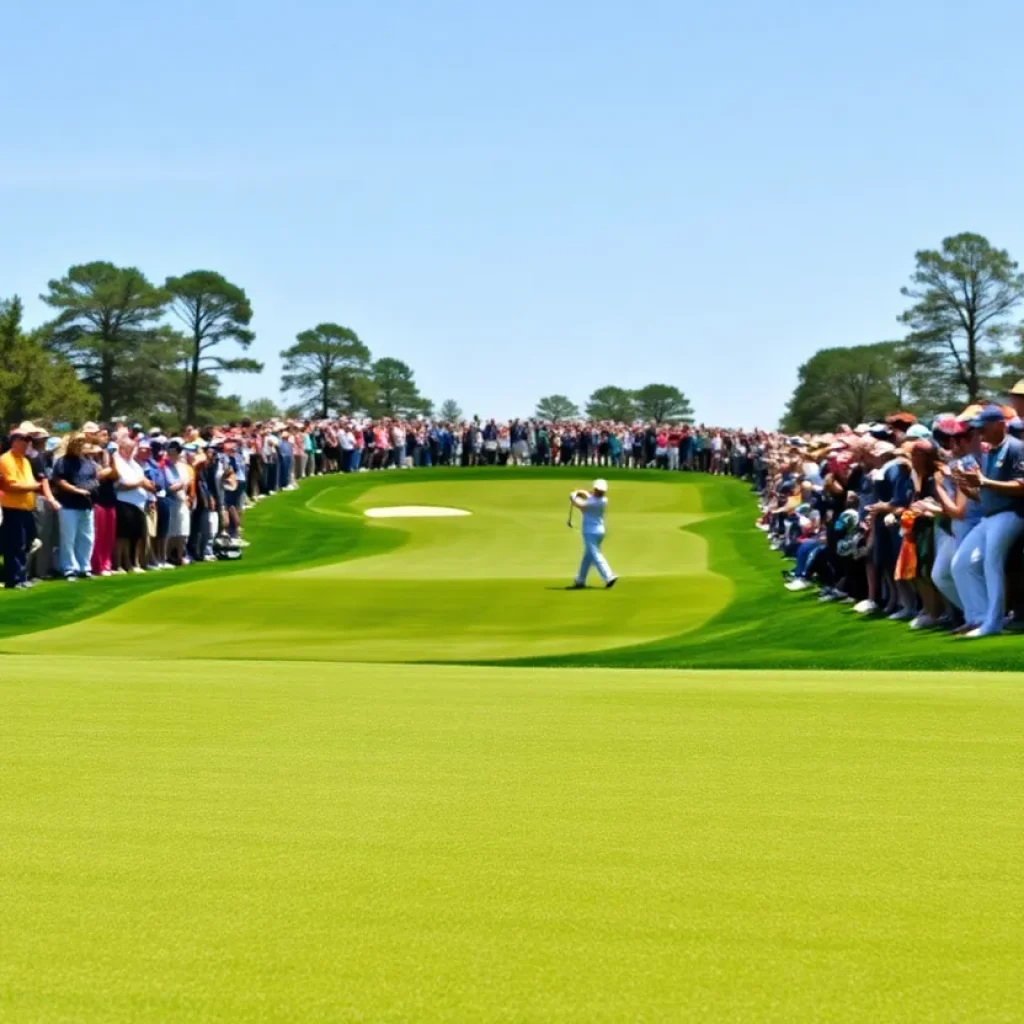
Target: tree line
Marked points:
657	403
119	345
962	344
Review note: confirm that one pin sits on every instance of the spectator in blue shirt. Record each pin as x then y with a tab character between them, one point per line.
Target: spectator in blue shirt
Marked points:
979	568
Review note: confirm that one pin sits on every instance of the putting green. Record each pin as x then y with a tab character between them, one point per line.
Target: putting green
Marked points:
228	842
486	586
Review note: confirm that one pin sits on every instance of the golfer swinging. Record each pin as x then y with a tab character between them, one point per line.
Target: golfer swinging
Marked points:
592	506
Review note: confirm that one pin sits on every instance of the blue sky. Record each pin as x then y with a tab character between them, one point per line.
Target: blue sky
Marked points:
520	198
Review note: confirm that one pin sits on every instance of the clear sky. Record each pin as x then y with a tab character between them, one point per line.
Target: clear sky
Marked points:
520	198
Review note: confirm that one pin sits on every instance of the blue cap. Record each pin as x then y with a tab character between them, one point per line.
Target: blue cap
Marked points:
1016	425
990	414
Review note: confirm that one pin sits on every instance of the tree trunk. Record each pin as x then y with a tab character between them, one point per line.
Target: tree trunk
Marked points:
106	385
192	382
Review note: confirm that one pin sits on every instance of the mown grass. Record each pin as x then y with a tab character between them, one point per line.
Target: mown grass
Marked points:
269	841
761	627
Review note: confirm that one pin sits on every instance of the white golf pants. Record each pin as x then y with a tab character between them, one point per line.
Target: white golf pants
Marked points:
592	557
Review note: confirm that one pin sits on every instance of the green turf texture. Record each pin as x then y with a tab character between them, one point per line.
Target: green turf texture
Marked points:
223	799
257	842
699	587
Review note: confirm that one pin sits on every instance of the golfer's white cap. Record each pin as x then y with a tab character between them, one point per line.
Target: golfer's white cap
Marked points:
601	485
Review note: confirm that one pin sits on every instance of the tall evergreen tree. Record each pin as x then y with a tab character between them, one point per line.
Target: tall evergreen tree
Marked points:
963	297
107	327
396	390
328	369
214	312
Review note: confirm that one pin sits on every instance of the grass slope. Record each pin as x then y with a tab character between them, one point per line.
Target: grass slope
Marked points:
224	842
321	582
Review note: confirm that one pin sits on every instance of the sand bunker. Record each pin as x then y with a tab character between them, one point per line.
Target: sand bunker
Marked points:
413	512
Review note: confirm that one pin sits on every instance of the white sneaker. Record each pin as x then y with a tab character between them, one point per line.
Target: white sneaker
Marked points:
923	621
865	607
901	615
106	572
137	569
977	634
798	585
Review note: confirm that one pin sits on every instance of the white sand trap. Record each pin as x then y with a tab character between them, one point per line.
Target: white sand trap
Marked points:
413	512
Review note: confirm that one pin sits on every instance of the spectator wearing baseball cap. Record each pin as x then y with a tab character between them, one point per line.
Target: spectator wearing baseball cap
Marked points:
979	567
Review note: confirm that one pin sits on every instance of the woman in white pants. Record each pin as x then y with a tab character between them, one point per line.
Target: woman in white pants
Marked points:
593	506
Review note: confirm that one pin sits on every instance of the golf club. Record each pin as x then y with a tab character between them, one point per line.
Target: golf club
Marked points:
571	507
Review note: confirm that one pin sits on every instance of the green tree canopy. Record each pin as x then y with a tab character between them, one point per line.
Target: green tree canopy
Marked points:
663	403
396	390
328	369
842	385
36	383
260	410
612	403
963	296
107	328
451	411
213	311
557	407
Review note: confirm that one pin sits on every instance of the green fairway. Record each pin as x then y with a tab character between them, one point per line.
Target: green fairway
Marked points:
486	586
225	800
699	587
261	843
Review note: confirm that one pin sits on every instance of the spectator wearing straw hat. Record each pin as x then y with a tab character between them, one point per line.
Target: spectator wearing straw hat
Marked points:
18	490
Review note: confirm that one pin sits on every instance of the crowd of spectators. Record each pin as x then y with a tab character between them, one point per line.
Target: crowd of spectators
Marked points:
922	523
116	499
